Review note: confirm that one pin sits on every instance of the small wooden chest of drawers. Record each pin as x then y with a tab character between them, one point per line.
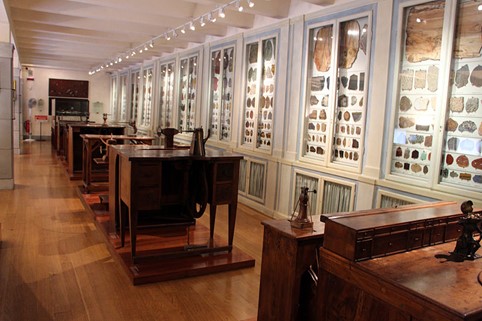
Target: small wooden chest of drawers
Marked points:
368	234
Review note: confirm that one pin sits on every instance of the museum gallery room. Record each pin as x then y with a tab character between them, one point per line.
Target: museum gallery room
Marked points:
240	160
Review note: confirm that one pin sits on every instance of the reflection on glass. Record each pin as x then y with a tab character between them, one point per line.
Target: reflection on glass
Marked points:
461	162
123	95
166	97
260	94
147	98
418	91
135	83
187	92
222	84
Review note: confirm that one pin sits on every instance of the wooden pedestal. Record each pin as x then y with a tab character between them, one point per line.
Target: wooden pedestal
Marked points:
284	293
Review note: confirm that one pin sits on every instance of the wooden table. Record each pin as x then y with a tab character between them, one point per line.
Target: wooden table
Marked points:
396	265
91	144
74	143
417	285
288	253
147	178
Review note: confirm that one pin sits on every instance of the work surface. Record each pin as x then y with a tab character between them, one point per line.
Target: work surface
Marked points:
432	274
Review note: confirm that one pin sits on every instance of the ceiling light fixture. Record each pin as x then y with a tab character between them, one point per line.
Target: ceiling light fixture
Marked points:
222	14
211	16
239	6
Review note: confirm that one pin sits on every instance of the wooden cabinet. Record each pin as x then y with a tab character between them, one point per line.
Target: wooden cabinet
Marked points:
287	255
370	234
74	143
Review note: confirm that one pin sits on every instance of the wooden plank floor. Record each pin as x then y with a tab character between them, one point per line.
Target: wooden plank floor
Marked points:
55	265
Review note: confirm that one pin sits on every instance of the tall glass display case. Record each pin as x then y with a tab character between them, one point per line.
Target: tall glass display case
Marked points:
187	91
259	102
135	97
337	65
437	123
146	109
166	92
123	79
221	94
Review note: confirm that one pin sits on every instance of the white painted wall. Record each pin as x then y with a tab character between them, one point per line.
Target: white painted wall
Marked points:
99	91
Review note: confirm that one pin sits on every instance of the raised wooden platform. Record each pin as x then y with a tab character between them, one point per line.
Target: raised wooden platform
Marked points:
156	246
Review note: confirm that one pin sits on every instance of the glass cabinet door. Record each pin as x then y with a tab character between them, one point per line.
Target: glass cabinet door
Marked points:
135	84
166	97
123	98
437	135
221	97
187	92
335	111
146	110
114	90
418	92
462	144
260	93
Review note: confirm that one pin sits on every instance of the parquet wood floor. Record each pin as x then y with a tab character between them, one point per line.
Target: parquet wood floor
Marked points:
56	266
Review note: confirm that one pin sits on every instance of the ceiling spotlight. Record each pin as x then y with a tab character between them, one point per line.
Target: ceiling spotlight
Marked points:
120	59
167	37
174	33
211	17
191	26
222	14
479	7
183	30
140	50
133	53
250	3
239	6
145	47
202	23
127	56
151	44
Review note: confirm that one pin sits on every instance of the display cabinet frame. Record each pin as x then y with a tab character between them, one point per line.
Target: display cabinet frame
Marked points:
405	199
258	111
123	96
166	89
335	112
463	174
339	182
135	97
148	83
222	85
189	98
114	96
255	187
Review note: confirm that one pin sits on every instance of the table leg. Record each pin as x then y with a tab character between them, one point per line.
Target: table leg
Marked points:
212	220
231	223
133	230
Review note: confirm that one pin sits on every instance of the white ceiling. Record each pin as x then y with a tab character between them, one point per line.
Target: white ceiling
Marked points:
83	34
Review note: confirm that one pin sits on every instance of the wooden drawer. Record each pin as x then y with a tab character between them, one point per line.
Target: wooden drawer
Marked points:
148	198
363	250
148	175
389	243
